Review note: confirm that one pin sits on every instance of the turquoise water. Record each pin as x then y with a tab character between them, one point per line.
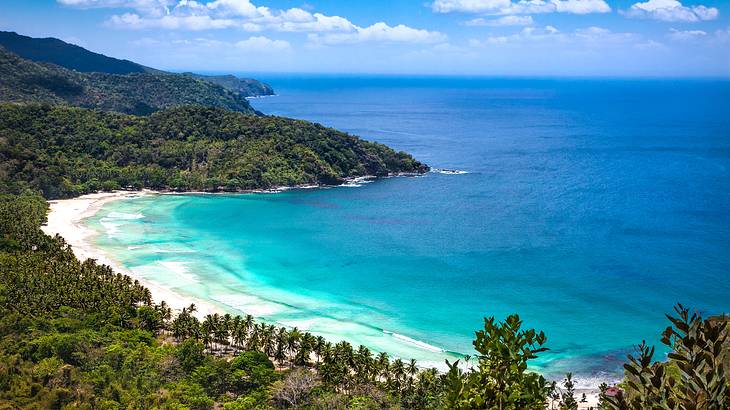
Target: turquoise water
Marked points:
588	207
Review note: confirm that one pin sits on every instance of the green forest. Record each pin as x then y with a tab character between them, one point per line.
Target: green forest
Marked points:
76	335
24	80
63	151
55	51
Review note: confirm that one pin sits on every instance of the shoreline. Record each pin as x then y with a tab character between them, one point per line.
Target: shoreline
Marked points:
66	217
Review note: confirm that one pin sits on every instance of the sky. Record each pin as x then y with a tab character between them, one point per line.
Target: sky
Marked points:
617	38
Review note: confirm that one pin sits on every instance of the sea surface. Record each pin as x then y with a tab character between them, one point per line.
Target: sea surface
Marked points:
589	207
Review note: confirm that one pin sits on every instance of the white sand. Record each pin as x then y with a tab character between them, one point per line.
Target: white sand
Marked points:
66	219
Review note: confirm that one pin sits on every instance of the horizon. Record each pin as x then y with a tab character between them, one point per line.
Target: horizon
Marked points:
660	39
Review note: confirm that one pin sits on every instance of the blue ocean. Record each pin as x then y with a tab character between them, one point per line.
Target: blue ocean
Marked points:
588	206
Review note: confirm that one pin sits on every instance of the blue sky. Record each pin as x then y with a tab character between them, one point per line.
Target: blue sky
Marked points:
453	37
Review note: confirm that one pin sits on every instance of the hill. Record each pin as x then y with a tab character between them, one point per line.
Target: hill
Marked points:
64	151
23	80
245	86
73	57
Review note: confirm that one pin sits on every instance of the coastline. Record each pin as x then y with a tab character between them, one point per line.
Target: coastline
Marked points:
65	218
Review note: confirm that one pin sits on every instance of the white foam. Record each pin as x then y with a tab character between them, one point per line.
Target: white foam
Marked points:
448	171
180	269
110	228
133	247
158	250
250	304
124	215
299	324
422	345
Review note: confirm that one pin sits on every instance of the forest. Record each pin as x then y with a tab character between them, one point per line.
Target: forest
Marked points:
63	151
141	93
76	335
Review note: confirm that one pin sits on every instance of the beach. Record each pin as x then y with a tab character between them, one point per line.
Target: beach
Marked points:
65	218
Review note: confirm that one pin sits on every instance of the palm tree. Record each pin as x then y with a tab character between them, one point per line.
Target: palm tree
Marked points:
293	344
412	370
398	371
318	348
281	345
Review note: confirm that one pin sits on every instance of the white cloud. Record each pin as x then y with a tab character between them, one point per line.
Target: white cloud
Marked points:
520	6
379	32
684	35
116	3
502	21
263	45
671	10
202	22
582	6
551	35
149	7
469	6
242	14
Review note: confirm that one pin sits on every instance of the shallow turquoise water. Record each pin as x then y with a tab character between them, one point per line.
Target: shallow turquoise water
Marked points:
589	207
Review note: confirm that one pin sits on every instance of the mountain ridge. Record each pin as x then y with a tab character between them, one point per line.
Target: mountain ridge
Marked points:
139	93
74	57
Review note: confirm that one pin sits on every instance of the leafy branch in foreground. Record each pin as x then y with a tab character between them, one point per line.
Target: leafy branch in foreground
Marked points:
693	378
501	380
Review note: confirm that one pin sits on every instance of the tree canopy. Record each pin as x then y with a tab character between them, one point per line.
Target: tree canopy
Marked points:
64	151
24	80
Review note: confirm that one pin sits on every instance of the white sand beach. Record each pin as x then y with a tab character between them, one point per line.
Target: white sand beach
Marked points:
66	218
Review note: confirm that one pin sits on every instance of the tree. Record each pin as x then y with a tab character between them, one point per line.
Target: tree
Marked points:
501	380
295	389
693	378
567	397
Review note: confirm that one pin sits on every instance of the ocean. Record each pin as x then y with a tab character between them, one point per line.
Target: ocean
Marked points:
588	206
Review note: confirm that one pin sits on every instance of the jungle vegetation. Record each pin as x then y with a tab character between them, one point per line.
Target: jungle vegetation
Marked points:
64	151
141	93
54	51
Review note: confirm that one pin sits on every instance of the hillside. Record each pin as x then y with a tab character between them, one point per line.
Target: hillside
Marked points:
73	57
245	86
23	80
55	51
65	151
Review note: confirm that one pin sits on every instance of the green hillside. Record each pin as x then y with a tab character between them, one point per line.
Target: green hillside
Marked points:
65	151
23	80
73	57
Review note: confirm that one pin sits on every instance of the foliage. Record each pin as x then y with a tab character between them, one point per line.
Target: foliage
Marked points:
245	86
64	151
140	93
693	378
73	57
502	380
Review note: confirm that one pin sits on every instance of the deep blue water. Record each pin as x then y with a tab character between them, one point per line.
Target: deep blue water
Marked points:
590	207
